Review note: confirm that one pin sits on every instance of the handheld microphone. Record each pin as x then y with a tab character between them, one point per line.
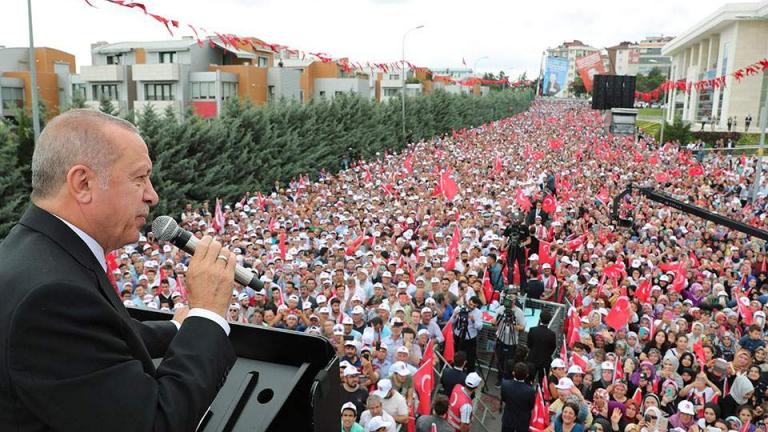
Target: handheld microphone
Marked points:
165	228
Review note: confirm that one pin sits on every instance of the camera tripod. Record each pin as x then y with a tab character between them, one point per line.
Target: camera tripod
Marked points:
505	327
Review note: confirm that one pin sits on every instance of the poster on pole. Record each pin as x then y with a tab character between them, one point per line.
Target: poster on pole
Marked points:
555	76
589	66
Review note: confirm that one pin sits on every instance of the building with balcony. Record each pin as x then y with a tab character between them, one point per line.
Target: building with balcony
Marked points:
181	74
573	50
54	74
730	38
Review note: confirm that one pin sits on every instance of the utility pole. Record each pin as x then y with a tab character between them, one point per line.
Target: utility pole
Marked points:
402	96
33	76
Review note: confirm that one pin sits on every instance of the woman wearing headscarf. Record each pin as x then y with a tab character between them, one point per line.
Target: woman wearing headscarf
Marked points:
634	347
727	346
653	421
711	415
686	361
740	394
759	383
647	368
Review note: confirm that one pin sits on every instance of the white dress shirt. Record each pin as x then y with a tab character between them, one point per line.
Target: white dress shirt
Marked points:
98	252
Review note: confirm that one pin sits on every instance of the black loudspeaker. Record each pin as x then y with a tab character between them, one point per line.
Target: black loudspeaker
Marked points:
613	91
282	381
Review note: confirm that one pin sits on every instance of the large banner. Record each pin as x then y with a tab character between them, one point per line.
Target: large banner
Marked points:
589	66
555	76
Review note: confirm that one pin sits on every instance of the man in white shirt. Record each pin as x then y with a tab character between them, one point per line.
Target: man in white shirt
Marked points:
392	402
375	408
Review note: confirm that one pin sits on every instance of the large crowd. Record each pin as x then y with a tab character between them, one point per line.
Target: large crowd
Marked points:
381	257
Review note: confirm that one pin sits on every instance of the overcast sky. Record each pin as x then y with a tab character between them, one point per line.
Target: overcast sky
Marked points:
511	33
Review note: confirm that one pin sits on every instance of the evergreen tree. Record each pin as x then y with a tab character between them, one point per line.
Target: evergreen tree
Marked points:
14	189
106	106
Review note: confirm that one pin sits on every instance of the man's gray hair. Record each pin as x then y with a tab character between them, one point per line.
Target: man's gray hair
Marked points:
373	399
74	137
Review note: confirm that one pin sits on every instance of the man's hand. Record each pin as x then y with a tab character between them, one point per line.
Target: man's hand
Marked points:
180	315
211	277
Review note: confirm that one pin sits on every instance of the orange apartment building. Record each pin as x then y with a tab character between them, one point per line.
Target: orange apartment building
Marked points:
54	71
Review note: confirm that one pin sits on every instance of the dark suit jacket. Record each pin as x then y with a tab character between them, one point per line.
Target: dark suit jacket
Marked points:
518	398
541	344
73	360
451	377
534	288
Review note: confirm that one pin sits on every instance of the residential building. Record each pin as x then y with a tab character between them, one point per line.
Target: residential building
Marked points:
650	56
456	73
624	58
54	71
178	74
730	38
573	50
319	79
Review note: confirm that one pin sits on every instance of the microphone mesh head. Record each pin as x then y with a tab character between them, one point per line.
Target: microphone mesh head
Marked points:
164	228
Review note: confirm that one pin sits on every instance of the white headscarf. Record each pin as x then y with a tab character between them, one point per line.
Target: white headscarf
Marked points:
741	386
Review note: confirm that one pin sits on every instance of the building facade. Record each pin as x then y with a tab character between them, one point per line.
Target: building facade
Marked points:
572	51
54	74
734	36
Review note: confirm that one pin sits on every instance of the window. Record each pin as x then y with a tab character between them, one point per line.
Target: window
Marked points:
168	57
270	93
203	90
78	91
105	91
114	59
229	90
12	97
391	92
158	92
322	93
394	77
263	61
338	93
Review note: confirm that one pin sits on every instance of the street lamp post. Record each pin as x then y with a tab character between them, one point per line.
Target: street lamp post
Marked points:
33	76
402	96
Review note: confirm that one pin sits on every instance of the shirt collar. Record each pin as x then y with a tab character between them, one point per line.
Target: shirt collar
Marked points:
92	244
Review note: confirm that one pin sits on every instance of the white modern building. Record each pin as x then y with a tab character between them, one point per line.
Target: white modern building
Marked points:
732	37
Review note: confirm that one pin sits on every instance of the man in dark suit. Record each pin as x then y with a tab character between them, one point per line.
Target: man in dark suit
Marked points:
541	344
535	287
72	359
454	374
518	398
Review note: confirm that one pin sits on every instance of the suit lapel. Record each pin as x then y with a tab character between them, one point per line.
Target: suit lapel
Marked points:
40	220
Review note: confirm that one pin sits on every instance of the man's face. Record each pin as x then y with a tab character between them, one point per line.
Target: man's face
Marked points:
120	209
349	351
352	380
375	408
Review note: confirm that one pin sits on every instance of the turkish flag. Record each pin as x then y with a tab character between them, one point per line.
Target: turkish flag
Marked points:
638	397
352	248
549	204
449	187
661	177
540	414
643	292
744	310
555	144
678	283
522	201
448	349
653	160
281	245
602	196
696	170
577	242
424	380
544	256
487	288
618	316
497	166
698	350
573	327
579	361
694	260
763	266
408	164
453	250
618	371
545	384
564	353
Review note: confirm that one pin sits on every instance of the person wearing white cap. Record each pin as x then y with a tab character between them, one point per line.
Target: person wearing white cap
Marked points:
351	391
348	417
378	424
392	402
685	417
460	407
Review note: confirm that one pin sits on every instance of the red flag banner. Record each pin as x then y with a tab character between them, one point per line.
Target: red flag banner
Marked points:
453	249
549	204
618	316
423	380
540	414
523	201
448	186
589	66
448	349
643	292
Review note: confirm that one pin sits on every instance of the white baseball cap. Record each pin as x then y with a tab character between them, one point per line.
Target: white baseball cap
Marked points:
565	383
575	369
473	380
557	363
377	423
607	366
348	405
382	389
347	321
686	407
351	371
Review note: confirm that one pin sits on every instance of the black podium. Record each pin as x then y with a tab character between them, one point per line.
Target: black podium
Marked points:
282	381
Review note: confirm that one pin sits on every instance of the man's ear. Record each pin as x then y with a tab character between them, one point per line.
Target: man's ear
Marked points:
80	183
